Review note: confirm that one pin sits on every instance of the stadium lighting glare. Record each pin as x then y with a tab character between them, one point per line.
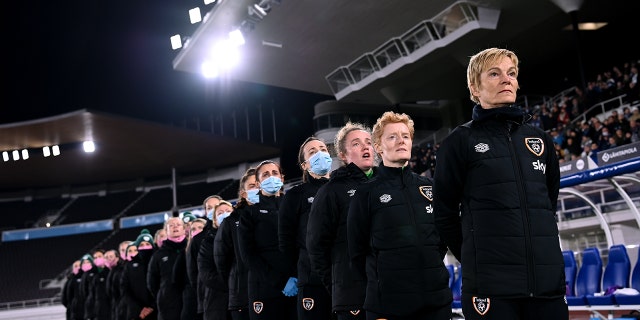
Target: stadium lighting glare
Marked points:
16	155
194	15
25	154
222	57
5	156
176	42
236	37
206	2
88	146
46	151
55	150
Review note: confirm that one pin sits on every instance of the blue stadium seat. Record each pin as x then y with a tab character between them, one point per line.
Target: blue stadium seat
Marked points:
589	277
456	289
616	274
635	283
570	271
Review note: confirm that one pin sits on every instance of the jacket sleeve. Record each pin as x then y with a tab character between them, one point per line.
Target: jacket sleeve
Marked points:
449	178
358	232
288	220
247	241
153	275
553	173
207	271
321	233
223	250
191	259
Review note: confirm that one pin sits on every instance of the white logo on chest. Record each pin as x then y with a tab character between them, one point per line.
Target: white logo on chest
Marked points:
351	192
540	166
385	198
481	147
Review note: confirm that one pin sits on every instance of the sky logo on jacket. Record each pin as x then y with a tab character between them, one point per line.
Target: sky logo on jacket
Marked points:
540	166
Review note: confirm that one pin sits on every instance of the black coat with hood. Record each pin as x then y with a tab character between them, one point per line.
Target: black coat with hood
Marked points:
231	268
496	186
162	282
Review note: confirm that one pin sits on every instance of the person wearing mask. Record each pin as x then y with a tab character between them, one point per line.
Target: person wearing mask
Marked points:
70	286
495	194
114	292
161	280
139	301
226	251
390	229
272	281
314	302
98	304
216	294
327	226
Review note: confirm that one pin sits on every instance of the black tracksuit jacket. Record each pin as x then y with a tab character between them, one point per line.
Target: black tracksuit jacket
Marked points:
215	300
292	227
227	258
133	282
327	238
495	196
161	279
268	268
392	235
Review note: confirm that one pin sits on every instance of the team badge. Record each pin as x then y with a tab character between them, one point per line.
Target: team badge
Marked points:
258	306
427	192
481	305
385	198
481	147
307	303
535	145
355	312
310	199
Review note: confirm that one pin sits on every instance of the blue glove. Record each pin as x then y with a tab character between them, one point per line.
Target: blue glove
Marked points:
291	289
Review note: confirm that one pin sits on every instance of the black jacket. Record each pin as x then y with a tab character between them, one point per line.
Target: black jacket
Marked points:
71	297
327	238
133	282
496	186
161	281
292	228
268	268
193	273
98	295
215	299
391	224
227	258
114	292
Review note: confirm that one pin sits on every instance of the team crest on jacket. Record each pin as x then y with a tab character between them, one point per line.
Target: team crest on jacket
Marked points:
481	147
258	306
535	145
355	312
310	199
307	303
481	305
385	198
427	192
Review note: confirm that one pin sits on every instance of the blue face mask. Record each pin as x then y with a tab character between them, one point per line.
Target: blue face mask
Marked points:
271	185
320	163
221	217
210	214
253	196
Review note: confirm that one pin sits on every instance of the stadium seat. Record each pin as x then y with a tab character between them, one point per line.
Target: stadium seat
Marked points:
570	271
452	274
635	284
616	275
589	277
456	289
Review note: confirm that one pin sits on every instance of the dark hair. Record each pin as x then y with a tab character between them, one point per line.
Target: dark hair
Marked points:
265	162
242	201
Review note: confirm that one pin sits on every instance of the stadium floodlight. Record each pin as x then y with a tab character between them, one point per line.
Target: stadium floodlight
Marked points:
206	2
194	15
55	150
5	156
88	146
16	155
176	42
236	37
25	154
46	151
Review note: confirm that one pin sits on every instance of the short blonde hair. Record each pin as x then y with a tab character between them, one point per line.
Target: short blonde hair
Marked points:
339	143
390	117
482	61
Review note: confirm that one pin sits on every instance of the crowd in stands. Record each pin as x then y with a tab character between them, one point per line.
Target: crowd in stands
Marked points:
573	138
